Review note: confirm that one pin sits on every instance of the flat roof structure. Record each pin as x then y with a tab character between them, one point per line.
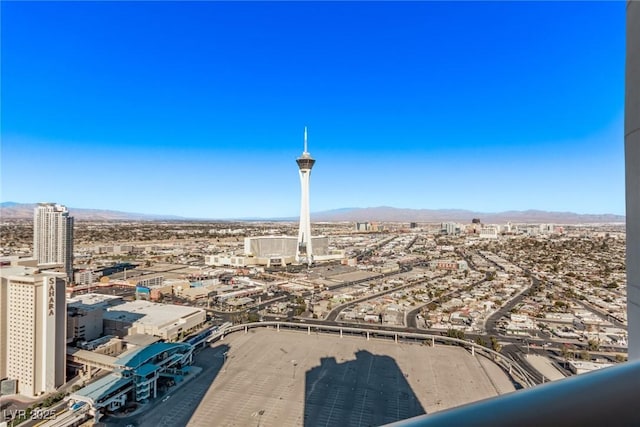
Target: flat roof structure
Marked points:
91	357
145	312
140	356
98	389
289	378
240	301
149	315
7	271
165	321
91	301
140	340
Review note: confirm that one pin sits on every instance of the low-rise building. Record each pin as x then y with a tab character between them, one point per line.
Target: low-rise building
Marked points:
169	322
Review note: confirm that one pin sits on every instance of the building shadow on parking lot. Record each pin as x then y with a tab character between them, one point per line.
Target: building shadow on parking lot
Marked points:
367	391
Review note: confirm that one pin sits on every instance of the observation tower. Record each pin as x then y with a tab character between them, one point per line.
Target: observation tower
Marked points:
304	251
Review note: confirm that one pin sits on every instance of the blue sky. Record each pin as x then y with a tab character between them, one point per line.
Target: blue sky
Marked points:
197	109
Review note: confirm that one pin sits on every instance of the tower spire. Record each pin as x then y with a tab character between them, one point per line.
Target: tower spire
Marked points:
305	139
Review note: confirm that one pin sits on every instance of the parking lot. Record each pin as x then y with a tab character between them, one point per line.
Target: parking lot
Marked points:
289	378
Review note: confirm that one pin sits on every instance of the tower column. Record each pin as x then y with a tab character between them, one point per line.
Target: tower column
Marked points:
304	249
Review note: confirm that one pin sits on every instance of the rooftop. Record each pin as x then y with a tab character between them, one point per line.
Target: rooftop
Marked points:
102	387
103	359
139	357
17	271
149	313
92	301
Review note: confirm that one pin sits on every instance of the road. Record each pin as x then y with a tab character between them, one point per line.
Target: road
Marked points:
228	316
370	251
600	313
515	353
490	324
333	314
593	308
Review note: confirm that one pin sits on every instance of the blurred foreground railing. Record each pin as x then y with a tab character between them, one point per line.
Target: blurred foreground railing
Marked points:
607	397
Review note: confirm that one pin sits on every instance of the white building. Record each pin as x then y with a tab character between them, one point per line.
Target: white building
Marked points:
169	322
85	316
450	228
87	277
547	228
33	327
363	226
489	232
230	260
53	237
274	251
581	367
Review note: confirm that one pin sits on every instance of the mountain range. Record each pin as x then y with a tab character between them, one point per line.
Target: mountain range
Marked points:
13	210
391	214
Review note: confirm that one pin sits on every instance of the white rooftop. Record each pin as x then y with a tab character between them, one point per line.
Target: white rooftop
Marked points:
93	301
148	313
17	271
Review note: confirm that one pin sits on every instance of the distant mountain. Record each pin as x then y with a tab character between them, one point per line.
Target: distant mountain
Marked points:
390	214
13	210
8	204
336	212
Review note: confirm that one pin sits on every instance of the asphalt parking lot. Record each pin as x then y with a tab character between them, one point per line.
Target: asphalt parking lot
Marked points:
289	378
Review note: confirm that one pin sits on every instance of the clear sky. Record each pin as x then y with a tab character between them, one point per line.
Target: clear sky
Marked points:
197	109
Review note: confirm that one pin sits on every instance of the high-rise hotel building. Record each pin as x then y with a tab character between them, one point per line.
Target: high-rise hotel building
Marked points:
53	237
33	317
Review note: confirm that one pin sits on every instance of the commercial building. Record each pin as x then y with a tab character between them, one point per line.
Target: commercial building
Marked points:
581	367
85	316
148	281
489	232
33	326
274	251
94	315
230	260
378	228
363	227
451	228
194	292
83	325
452	265
169	322
53	237
86	277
